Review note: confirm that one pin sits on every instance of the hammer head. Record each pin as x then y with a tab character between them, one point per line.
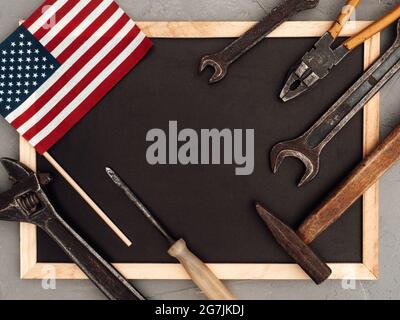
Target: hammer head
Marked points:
295	247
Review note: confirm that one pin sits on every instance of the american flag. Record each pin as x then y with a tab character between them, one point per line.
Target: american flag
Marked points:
63	59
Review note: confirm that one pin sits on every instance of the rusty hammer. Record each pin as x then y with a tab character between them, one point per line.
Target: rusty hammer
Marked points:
335	205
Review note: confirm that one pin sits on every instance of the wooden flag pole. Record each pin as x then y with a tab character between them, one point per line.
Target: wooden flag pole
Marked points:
88	200
83	194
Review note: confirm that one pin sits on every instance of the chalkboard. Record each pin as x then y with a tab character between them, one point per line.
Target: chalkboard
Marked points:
207	205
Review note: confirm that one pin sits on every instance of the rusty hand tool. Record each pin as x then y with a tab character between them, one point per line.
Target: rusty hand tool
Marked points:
308	146
372	168
201	275
317	63
335	205
317	270
27	202
221	61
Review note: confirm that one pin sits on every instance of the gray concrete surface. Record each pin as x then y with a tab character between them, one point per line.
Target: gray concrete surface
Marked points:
11	287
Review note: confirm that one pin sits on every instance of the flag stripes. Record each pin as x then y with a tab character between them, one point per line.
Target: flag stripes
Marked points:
78	83
47	15
85	94
75	28
69	78
63	22
67	65
96	44
38	13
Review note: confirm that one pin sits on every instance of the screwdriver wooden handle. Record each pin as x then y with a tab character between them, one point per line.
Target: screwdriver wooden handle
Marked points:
343	18
360	180
201	275
373	29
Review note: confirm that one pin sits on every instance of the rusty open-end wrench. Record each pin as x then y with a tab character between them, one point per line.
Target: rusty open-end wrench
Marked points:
308	147
222	60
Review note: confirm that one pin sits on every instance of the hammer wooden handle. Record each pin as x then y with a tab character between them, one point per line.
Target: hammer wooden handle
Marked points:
343	18
360	180
373	29
201	275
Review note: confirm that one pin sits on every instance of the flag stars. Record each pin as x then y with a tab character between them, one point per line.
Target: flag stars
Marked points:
23	68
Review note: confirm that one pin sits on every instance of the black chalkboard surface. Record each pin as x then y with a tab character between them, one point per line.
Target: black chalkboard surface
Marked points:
208	205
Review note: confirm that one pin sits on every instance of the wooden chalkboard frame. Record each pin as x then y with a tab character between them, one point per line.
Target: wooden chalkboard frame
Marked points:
367	270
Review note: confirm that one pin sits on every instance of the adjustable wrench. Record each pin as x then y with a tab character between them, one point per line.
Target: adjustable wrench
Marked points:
222	60
308	146
27	202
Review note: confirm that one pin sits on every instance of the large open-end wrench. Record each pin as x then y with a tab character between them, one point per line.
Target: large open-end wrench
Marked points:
222	60
308	146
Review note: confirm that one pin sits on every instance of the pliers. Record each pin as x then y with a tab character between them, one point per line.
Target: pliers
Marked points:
319	61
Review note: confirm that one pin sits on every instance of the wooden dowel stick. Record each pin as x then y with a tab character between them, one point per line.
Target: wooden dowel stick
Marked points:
88	200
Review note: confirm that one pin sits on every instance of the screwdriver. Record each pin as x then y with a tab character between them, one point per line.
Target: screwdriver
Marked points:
198	271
